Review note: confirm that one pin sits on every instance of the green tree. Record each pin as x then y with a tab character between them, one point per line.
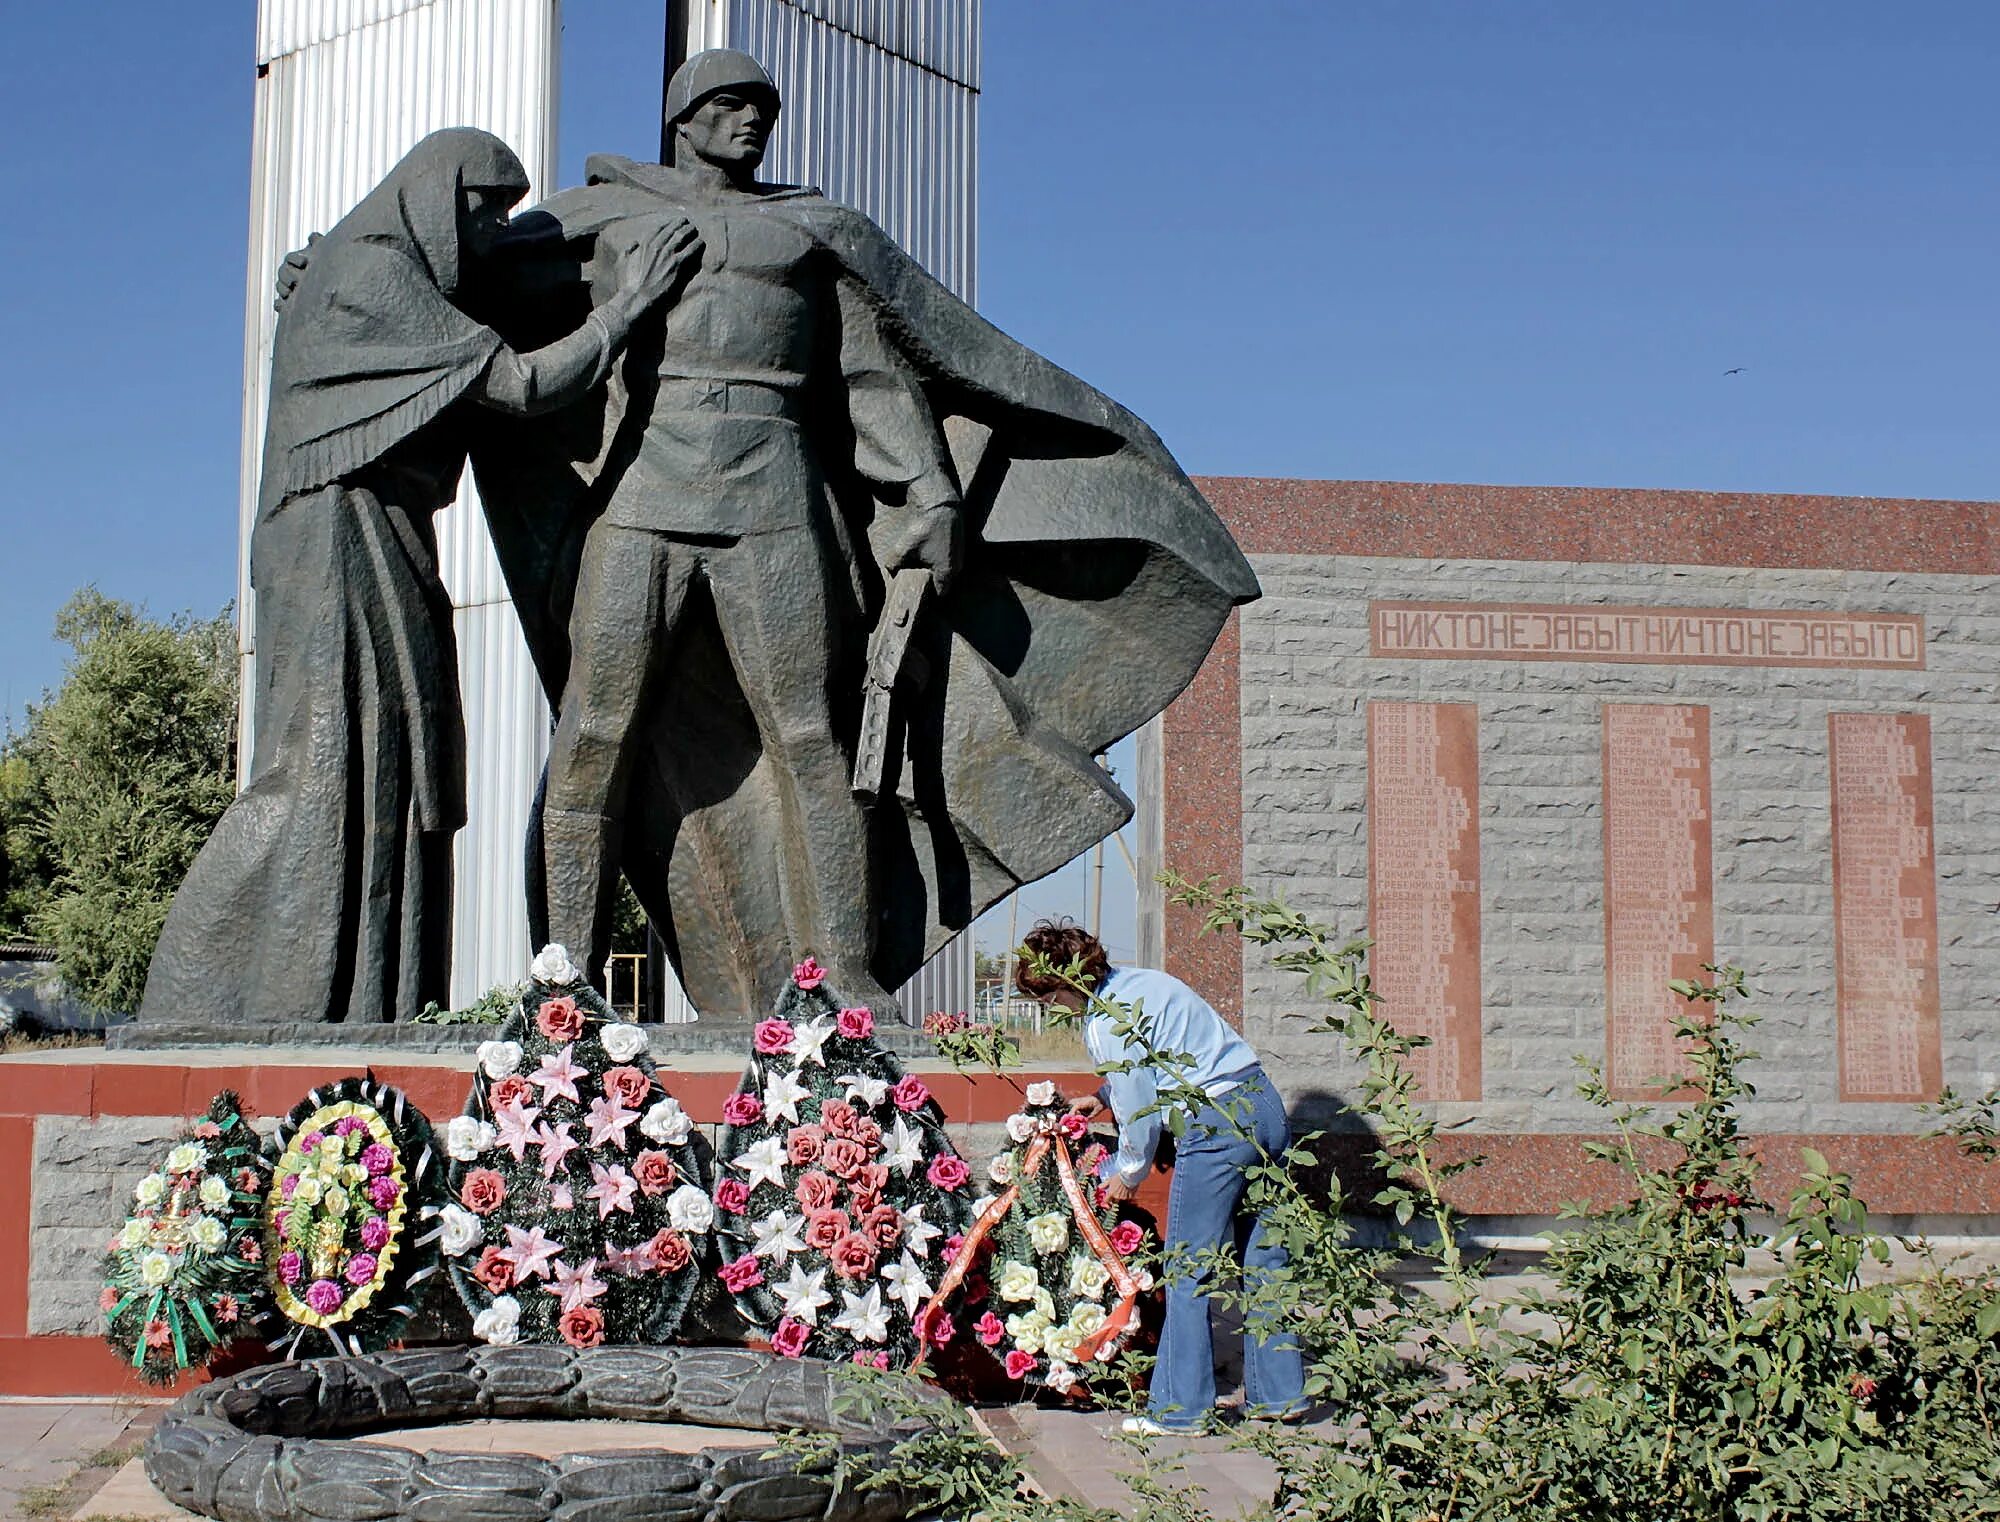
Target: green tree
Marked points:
128	766
24	864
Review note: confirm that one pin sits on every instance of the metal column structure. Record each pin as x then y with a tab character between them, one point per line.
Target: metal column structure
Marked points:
344	89
881	111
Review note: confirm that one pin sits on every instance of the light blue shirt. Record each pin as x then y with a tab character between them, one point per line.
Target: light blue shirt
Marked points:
1174	1019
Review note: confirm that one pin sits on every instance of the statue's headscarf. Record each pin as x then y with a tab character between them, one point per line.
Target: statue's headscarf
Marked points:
369	347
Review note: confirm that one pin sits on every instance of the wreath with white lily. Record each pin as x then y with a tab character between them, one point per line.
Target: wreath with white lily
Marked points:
579	1207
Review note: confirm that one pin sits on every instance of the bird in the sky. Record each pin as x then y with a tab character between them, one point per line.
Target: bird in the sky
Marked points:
1737	371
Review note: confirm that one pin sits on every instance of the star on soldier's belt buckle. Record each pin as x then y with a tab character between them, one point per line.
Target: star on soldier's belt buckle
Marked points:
714	397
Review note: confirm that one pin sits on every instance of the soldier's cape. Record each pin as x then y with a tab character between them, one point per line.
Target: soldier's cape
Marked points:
1095	580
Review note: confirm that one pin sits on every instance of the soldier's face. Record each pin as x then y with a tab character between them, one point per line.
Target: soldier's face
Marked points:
729	129
485	218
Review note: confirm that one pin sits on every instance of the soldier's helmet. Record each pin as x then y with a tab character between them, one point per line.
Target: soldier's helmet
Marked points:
716	69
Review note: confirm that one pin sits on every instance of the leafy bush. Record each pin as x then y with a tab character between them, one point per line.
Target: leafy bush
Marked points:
1652	1379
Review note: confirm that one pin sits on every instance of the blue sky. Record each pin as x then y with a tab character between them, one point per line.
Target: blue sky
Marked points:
1467	241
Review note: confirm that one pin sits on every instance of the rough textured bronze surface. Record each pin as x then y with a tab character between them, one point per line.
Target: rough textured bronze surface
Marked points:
269	1445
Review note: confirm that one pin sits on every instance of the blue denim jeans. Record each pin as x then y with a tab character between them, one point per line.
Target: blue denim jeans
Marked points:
1203	1210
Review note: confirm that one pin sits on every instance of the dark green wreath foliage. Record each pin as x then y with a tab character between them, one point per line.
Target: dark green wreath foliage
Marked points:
327	1138
534	1256
178	1289
869	1185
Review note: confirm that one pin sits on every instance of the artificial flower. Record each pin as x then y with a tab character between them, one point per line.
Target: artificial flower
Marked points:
803	1294
770	1037
484	1191
809	974
1017	1281
906	1282
529	1252
323	1297
186	1158
855	1024
628	1085
825	1227
808	1042
732	1195
989	1329
741	1109
815	1190
1060	1378
582	1326
843	1157
214	1192
1041	1093
1020	1128
556	1142
558	1075
863	1317
803	1145
777	1237
782	1093
1049	1233
575	1286
466	1136
517	1130
1001	1169
360	1269
667	1123
669	1251
150	1190
910	1094
947	1171
1127	1237
1019	1365
608	1119
552	965
918	1234
135	1234
155	1269
853	1256
762	1162
459	1230
905	1148
688	1209
499	1059
655	1171
1088	1277
742	1273
499	1323
789	1339
623	1041
612	1188
208	1233
864	1089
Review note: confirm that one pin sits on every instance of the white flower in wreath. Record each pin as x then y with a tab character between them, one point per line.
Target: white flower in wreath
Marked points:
762	1162
1059	1342
335	1202
918	1232
467	1136
552	965
308	1190
808	1043
155	1269
903	1148
500	1322
1027	1330
135	1234
667	1123
151	1190
1020	1127
1088	1277
622	1042
187	1157
1143	1277
863	1317
208	1233
1001	1169
782	1095
777	1236
907	1283
1060	1378
804	1293
1045	1306
214	1192
1049	1233
499	1059
461	1230
1043	1093
688	1209
1085	1317
1017	1281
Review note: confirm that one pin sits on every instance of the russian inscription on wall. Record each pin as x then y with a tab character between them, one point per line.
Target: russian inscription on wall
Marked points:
1885	906
1658	883
1664	636
1423	884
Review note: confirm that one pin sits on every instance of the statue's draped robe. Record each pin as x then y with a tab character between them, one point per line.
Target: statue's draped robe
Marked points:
325	891
1095	580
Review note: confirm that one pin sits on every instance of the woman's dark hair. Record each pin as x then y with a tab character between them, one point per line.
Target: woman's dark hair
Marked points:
1060	943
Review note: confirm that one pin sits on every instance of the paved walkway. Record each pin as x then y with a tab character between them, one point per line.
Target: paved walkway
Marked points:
43	1444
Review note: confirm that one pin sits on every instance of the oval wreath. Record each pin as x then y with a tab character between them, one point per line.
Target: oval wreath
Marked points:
182	1278
346	1243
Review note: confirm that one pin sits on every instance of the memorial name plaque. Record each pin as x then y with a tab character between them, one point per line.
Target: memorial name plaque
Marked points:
1885	906
1658	884
1462	631
1423	885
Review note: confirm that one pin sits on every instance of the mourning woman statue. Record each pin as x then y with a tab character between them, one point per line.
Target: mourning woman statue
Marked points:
325	892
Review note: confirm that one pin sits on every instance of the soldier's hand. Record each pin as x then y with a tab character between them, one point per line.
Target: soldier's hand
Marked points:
290	269
655	258
933	539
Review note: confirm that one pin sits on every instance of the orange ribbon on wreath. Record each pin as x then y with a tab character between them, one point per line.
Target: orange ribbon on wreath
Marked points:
1088	1226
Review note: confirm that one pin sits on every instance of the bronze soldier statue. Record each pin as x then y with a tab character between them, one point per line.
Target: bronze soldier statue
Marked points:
701	554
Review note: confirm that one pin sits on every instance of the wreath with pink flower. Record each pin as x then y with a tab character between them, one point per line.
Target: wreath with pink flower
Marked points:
579	1207
182	1278
345	1246
838	1185
1046	1279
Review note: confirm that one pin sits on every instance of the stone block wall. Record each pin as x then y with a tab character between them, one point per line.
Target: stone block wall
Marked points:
1266	763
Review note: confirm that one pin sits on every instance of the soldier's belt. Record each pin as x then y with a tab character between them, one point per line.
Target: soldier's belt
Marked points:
745	398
